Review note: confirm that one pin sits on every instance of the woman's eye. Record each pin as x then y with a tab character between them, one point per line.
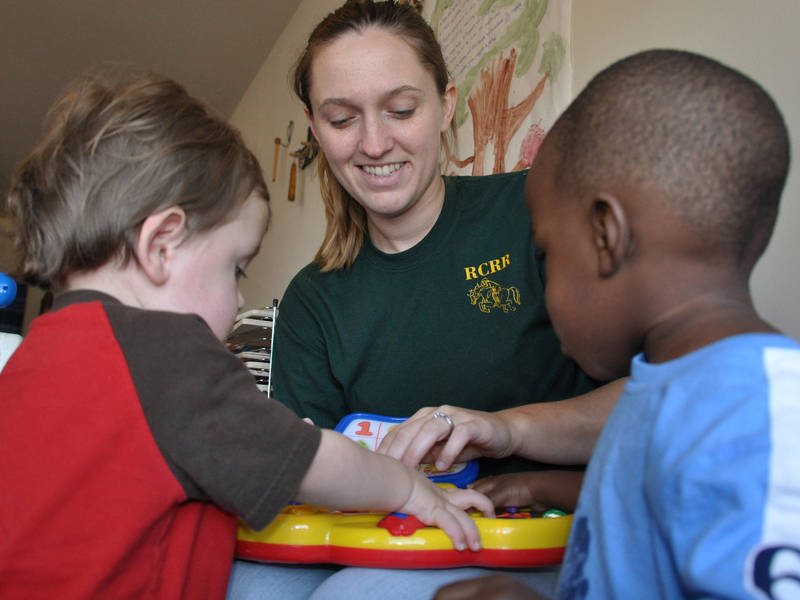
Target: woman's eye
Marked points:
403	114
339	123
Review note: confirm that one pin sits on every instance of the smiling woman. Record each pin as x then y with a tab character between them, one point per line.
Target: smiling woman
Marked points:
378	115
425	289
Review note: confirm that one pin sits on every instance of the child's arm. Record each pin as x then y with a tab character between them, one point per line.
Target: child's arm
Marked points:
540	490
345	476
562	432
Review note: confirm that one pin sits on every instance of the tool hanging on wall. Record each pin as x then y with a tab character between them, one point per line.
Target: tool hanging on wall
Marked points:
304	156
278	144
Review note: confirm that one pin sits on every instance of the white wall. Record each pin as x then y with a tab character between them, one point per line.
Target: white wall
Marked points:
758	38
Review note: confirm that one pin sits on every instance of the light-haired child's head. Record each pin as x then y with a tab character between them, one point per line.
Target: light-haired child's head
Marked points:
120	146
666	159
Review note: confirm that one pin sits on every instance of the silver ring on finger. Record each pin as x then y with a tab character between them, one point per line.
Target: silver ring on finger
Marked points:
446	418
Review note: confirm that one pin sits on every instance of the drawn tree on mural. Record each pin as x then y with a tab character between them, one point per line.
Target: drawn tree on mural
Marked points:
485	89
494	122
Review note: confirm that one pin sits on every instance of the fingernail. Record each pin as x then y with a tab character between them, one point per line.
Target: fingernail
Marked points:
460	547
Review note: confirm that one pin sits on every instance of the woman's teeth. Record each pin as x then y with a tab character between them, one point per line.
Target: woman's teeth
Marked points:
381	170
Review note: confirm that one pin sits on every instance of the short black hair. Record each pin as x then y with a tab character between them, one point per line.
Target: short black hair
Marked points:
705	135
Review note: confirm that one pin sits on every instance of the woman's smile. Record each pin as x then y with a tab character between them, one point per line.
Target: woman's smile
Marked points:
379	117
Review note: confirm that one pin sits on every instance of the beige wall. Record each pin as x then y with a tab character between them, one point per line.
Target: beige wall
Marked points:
758	38
296	228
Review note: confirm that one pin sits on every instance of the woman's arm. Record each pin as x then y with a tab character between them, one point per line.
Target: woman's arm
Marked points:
562	432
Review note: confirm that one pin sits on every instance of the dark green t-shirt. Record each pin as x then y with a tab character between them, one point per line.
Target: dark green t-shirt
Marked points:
457	319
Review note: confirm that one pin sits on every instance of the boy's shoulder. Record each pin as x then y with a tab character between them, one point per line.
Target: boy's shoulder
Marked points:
133	327
728	359
89	298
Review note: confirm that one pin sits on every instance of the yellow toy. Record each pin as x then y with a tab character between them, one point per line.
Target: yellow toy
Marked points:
311	534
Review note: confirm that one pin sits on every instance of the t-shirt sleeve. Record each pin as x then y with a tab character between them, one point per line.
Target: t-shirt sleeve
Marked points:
708	485
301	368
224	440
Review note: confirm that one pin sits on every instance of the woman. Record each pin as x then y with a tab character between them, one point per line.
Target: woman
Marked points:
426	289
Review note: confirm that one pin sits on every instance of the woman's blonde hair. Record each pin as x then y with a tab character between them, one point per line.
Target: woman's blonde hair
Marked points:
346	220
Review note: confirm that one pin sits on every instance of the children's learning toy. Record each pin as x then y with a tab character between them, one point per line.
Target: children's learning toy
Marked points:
306	534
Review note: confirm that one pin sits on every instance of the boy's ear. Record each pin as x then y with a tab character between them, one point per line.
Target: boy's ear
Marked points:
159	236
611	233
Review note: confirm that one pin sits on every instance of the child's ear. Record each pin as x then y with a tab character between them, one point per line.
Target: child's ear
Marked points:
610	232
159	236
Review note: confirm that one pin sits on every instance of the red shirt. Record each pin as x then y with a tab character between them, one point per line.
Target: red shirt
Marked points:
122	432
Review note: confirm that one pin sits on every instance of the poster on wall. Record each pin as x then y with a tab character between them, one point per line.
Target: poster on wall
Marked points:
510	61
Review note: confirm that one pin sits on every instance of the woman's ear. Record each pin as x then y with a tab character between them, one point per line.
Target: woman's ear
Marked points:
159	236
448	104
310	119
611	234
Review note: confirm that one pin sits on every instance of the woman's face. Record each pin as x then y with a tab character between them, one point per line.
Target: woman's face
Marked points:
378	117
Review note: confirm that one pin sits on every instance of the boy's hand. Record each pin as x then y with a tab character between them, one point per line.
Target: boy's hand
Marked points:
446	509
540	490
423	438
491	587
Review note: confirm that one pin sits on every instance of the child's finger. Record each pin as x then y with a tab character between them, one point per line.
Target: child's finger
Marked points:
485	485
470	498
459	527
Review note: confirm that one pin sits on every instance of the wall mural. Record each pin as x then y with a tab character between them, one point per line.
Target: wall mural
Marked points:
510	61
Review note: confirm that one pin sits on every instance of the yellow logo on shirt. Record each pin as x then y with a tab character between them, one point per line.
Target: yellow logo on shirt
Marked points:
489	295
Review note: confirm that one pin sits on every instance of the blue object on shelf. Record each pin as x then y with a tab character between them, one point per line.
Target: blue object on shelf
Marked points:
8	290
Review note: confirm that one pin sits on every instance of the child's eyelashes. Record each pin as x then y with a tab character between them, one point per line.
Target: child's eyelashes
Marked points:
240	273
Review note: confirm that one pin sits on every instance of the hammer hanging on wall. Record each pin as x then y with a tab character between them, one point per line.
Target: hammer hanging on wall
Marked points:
275	160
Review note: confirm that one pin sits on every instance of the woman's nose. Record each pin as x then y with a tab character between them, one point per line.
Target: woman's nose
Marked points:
376	138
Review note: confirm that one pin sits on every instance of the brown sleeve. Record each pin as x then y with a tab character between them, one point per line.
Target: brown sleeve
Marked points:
224	440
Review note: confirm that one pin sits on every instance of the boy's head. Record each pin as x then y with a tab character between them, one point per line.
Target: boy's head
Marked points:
119	148
660	182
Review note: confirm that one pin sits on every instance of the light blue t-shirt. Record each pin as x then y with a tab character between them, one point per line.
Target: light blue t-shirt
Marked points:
694	487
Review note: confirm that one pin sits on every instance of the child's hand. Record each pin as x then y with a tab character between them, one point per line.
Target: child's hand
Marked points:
423	438
490	587
446	509
540	490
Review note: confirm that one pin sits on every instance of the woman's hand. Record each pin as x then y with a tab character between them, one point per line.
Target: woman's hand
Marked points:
447	434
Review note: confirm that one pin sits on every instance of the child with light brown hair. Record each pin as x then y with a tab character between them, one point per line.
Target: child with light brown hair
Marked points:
131	437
